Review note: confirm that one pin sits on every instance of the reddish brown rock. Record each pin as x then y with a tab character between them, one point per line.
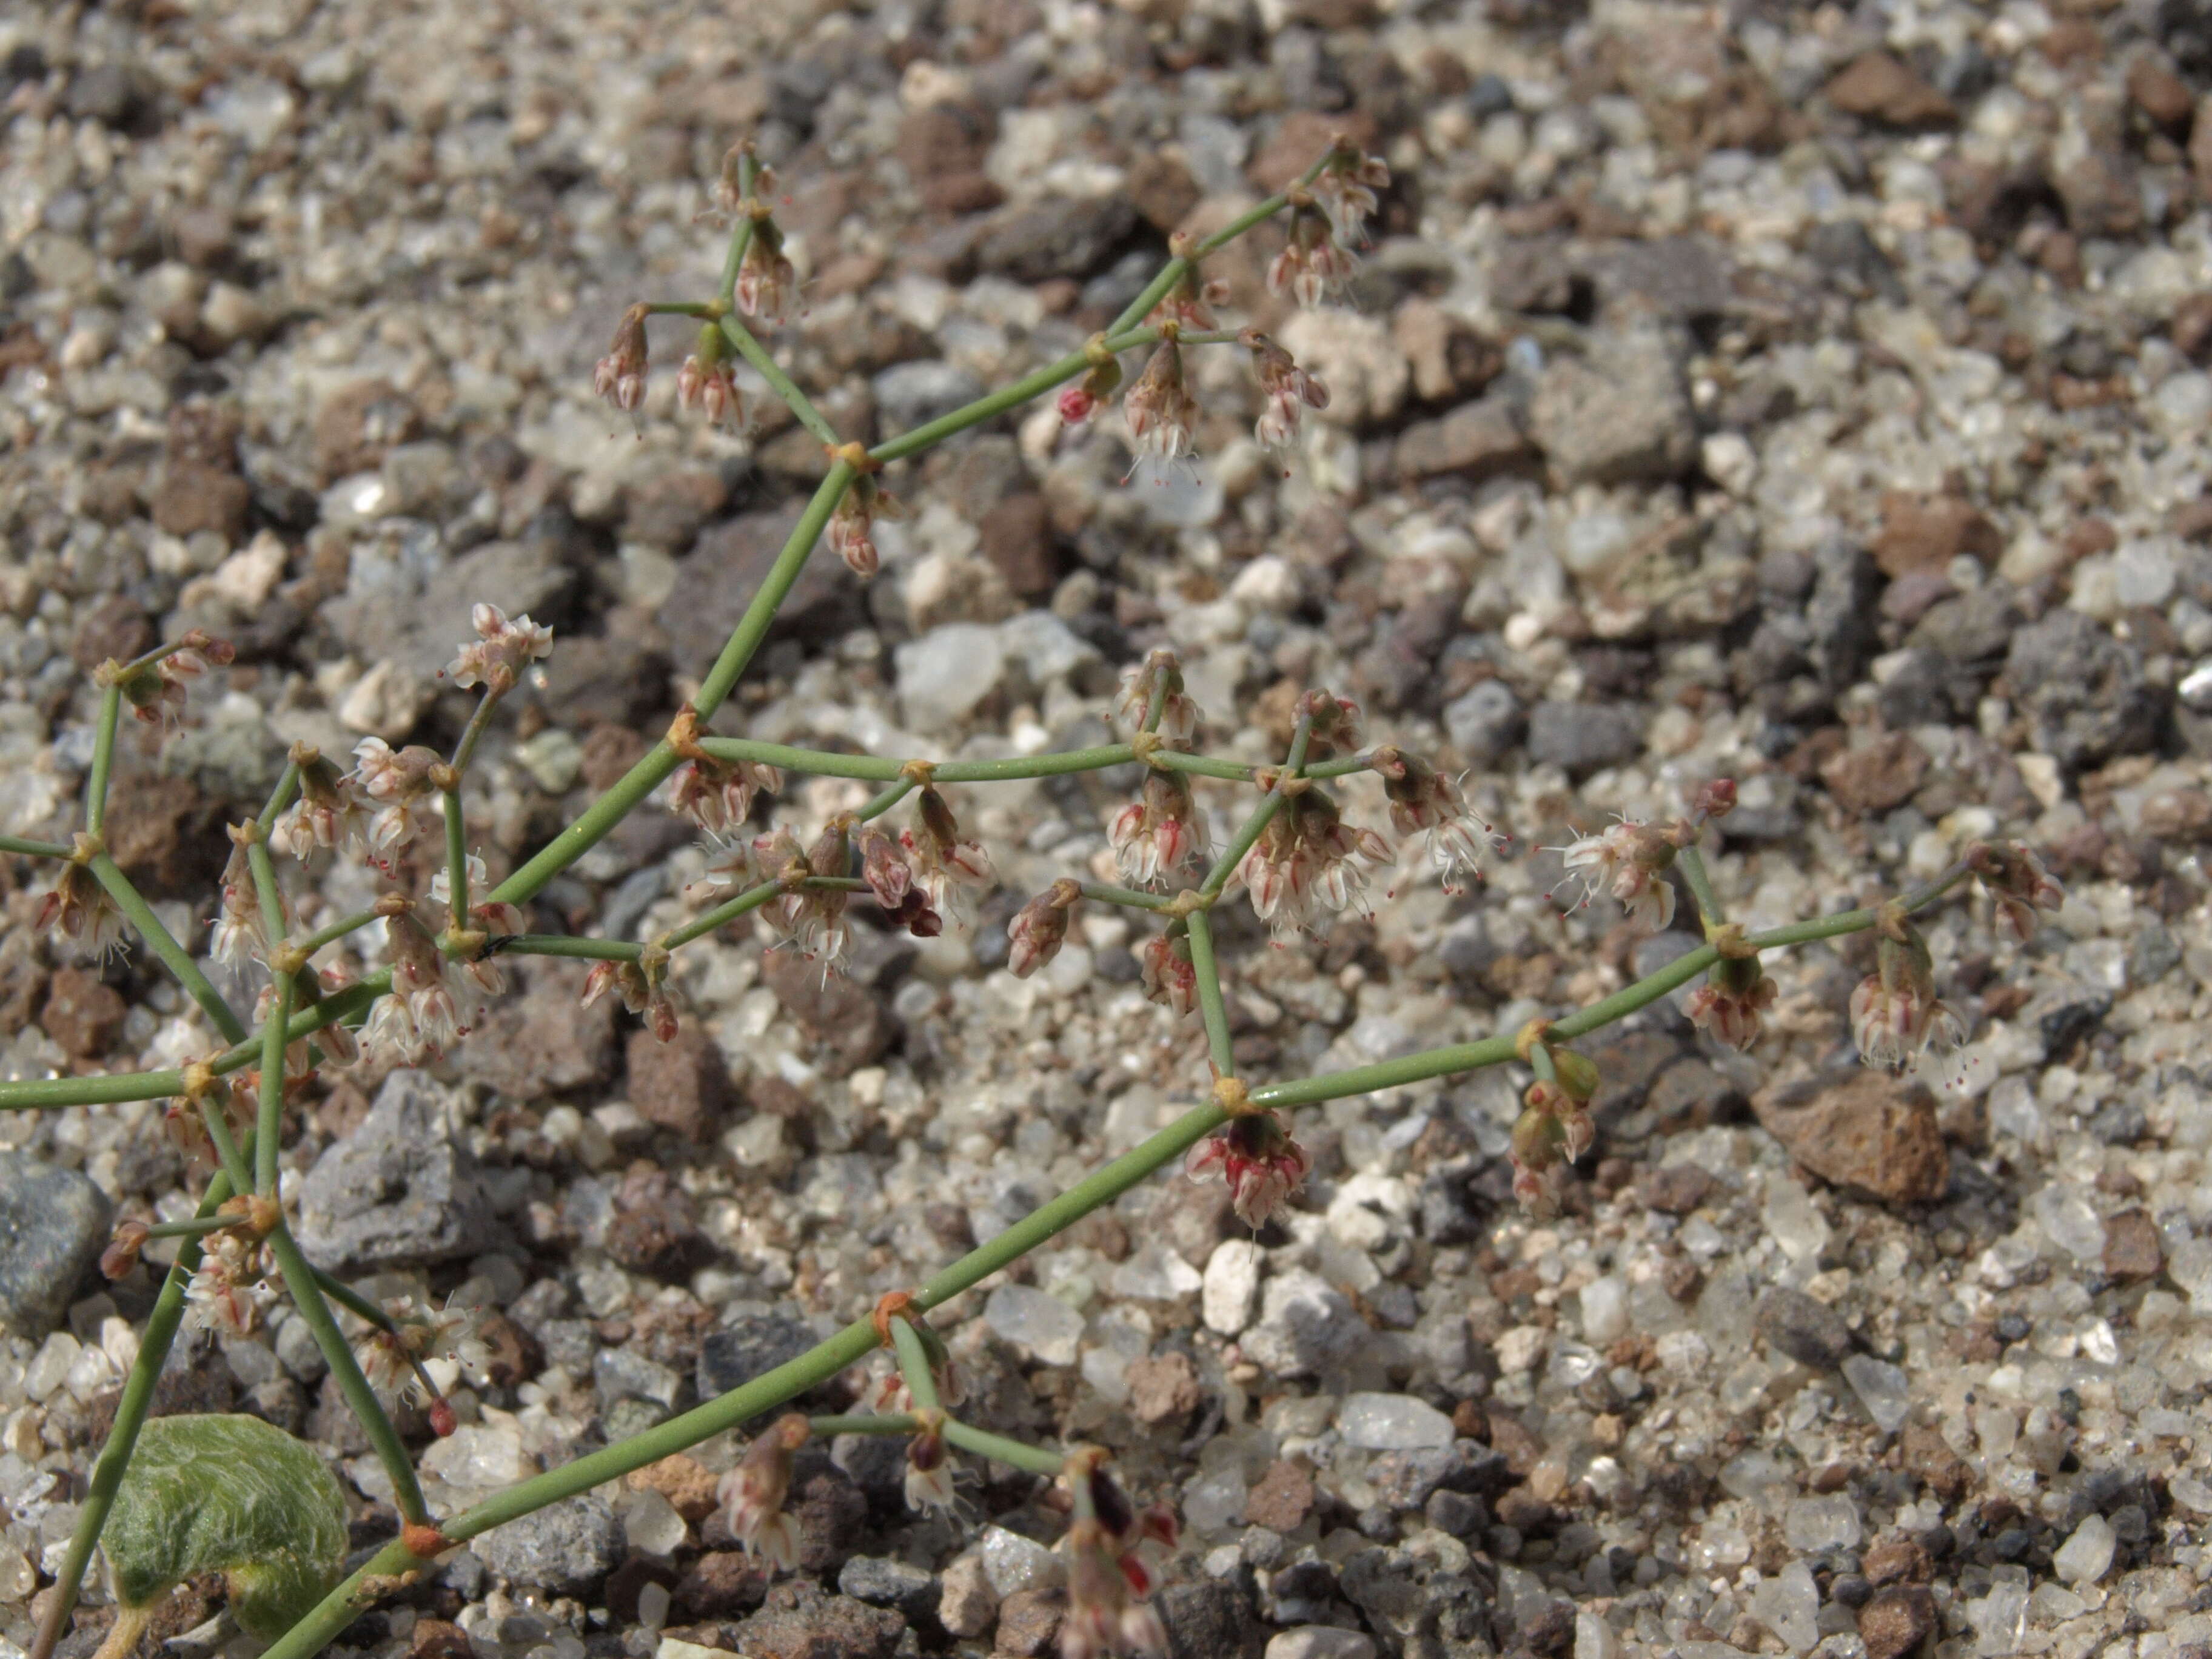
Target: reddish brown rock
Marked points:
1895	1621
1896	1559
1878	87
1877	776
1016	539
1868	1131
1928	1456
2161	94
1163	1388
1281	1499
168	837
797	1621
1029	1623
1162	189
1927	535
543	1040
81	1014
117	627
681	1085
2132	1250
844	1017
358	423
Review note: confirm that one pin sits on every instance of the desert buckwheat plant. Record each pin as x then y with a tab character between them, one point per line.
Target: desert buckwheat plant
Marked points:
414	973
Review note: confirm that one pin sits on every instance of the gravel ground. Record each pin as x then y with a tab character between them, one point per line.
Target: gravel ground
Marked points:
1810	396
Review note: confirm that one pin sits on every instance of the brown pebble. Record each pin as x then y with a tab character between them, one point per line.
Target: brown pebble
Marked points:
2131	1246
1895	1621
1281	1497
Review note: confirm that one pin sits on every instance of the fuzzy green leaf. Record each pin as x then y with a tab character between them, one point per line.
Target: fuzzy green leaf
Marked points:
233	1495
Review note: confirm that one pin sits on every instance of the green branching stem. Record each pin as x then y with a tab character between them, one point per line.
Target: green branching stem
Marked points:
1135	898
457	863
558	945
23	846
163	944
750	348
331	932
1034	1460
280	797
824	762
1233	854
1210	1008
741	234
270	1129
103	757
1692	866
913	1364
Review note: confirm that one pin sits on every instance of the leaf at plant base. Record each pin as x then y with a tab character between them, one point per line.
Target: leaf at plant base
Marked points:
233	1495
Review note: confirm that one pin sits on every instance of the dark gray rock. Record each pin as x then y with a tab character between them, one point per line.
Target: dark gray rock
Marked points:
566	1548
1973	630
882	1582
749	1345
399	1191
1485	723
53	1225
1583	736
1066	237
1207	1619
909	395
1840	616
1404	1479
2083	690
797	1621
725	568
1810	1332
396	609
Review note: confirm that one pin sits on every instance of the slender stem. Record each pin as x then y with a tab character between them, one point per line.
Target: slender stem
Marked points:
269	1131
677	309
227	1156
198	1226
103	758
1209	1007
881	803
1133	897
914	1366
829	763
1270	803
472	733
353	1301
700	926
660	760
1035	1460
331	932
1032	384
164	944
741	234
1691	864
865	1422
457	863
782	384
307	1297
281	796
130	1412
556	944
27	848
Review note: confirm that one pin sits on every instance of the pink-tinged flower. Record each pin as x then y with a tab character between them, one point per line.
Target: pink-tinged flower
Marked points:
811	919
156	692
2019	884
1630	861
228	1296
1165	973
1312	269
1308	861
443	1000
954	872
1897	1019
619	377
1255	1154
79	910
1554	1130
391	1360
708	381
1424	802
929	1466
1728	1006
766	281
1104	1616
1288	390
1040	928
730	870
625	979
852	527
717	795
493	919
753	1494
1345	192
501	650
1158	833
1334	723
1159	676
1079	401
1189	303
399	782
1159	408
330	812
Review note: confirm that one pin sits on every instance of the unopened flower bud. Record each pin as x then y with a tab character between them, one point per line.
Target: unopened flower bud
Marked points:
1160	410
1040	928
619	377
121	1255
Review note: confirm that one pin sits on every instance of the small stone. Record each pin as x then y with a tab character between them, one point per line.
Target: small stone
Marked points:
1013	1563
1016	538
724	571
1881	88
358	424
544	1041
1582	737
567	1547
1865	1130
1788	1604
2083	690
1829	1521
1478	439
1878	774
1305	1324
720	1585
1678	1188
1895	1559
1281	1499
1485	723
1621	414
1896	1621
680	1085
2161	94
1391	1422
2131	1246
967	1604
1929	1456
909	395
841	1014
81	1014
1810	1332
1029	1623
53	1225
749	1345
2087	1555
1205	1618
1163	1388
882	1582
1229	1294
797	1621
1407	1479
1044	1324
1882	1388
1067	236
398	1191
1927	535
688	1485
1321	1641
944	675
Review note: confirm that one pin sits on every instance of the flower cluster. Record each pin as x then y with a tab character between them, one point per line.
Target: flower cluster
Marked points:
1553	1131
852	528
155	691
1897	1019
1165	973
1424	802
330	812
435	1000
1308	861
499	651
1190	299
1158	832
1109	1581
1254	1154
2015	878
752	1495
393	1360
708	381
401	782
1158	679
488	917
1287	390
77	908
619	377
1728	1006
1161	411
954	870
1629	860
640	987
229	1294
1312	269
